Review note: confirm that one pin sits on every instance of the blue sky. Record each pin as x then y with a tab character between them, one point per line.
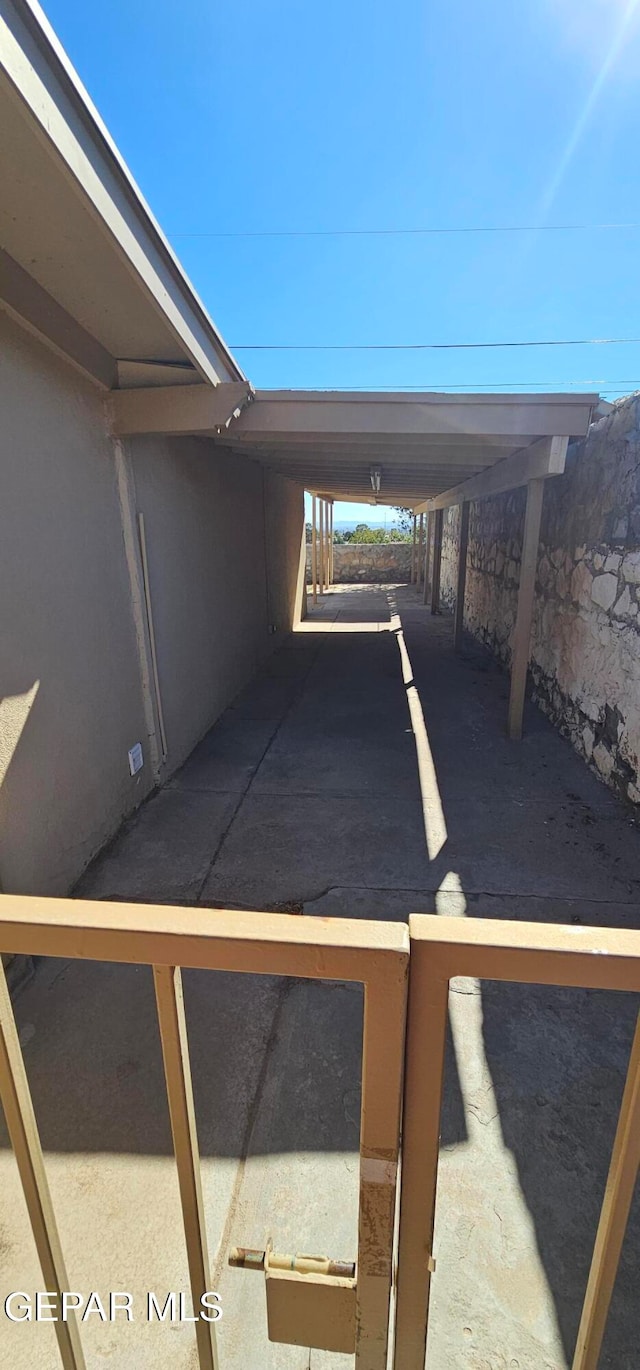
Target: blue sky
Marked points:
258	117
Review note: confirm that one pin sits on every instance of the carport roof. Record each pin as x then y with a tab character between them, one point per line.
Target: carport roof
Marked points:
420	445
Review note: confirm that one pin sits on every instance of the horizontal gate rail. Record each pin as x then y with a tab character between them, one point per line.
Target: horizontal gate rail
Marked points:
532	953
167	938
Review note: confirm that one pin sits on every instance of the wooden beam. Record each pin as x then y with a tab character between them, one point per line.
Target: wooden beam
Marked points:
177	408
427	556
463	543
321	412
321	546
331	547
175	1053
37	311
25	1140
419	557
314	547
619	1191
541	459
437	560
521	641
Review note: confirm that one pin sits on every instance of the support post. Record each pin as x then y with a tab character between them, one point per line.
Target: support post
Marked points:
522	631
427	558
331	543
437	558
175	1052
321	546
23	1131
314	547
419	556
621	1181
413	551
463	543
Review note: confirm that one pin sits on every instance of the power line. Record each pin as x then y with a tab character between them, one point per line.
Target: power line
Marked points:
405	232
426	347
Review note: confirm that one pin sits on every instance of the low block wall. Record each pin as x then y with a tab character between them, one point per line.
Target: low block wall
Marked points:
368	563
585	650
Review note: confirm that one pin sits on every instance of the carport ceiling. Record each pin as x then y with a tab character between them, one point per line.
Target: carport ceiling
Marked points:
421	444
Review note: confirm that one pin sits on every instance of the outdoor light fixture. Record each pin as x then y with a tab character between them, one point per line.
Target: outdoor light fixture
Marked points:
375	476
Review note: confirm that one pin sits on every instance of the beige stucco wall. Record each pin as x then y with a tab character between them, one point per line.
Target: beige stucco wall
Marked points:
205	514
284	533
71	690
69	682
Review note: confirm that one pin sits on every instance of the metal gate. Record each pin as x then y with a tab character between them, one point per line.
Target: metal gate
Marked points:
533	953
308	1304
310	1301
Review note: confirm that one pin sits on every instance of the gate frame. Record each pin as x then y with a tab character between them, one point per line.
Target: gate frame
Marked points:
526	953
166	938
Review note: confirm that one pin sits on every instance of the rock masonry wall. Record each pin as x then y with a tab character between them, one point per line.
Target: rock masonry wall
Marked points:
585	661
374	563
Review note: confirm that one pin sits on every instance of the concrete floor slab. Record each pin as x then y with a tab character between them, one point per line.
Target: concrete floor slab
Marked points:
301	844
227	757
163	853
304	796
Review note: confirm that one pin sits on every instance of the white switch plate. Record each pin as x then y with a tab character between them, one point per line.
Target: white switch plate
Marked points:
136	759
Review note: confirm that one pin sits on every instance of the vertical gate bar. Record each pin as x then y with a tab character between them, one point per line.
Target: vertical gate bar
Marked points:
427	557
175	1052
382	1069
424	1070
463	544
25	1140
621	1181
314	548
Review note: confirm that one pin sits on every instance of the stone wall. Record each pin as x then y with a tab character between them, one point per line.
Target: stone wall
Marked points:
378	563
585	662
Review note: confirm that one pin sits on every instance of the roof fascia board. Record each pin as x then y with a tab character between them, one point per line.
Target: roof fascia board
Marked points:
326	413
40	73
34	309
543	458
431	397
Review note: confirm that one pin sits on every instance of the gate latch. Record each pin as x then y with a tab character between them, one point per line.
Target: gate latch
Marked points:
311	1300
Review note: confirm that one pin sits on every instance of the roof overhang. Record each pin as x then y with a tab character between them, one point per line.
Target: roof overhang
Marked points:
82	251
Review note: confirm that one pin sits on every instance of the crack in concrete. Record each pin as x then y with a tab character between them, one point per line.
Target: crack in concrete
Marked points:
284	989
243	794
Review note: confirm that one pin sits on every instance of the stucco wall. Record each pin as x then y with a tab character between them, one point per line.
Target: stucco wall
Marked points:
284	531
71	694
69	683
205	516
585	636
368	562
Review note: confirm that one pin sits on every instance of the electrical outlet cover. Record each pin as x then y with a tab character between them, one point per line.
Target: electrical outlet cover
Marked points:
136	758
